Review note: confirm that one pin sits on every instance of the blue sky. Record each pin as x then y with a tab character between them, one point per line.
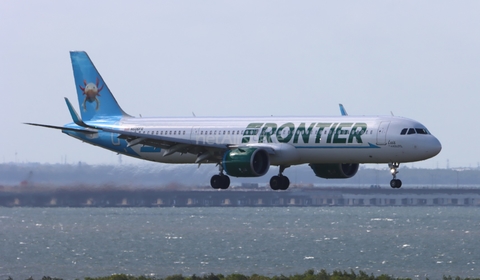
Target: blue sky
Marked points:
233	58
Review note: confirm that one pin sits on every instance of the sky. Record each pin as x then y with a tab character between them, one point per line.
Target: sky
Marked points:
417	59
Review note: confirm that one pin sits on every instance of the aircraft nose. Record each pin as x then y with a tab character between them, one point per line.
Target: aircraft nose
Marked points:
435	146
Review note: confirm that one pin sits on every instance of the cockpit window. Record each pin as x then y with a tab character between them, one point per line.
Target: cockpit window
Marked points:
414	131
421	131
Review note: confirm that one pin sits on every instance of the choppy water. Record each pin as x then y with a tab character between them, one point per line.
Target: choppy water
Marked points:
71	243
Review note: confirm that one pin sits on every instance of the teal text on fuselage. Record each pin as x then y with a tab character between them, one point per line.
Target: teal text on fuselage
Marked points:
336	133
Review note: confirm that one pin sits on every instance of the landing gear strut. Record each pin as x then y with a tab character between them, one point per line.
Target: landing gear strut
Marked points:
395	183
220	181
280	182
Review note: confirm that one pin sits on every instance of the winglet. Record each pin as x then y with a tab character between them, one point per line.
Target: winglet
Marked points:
76	118
342	110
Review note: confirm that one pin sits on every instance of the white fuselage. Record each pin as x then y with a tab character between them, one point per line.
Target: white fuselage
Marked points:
294	140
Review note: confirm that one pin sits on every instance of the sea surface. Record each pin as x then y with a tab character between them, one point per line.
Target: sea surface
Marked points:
69	243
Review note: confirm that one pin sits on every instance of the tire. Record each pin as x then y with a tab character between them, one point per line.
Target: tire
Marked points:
285	183
275	183
395	183
216	181
225	182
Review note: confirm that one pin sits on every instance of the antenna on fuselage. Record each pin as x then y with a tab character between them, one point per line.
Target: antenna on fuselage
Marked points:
193	114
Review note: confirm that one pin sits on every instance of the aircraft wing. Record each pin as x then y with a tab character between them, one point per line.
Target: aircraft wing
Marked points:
204	151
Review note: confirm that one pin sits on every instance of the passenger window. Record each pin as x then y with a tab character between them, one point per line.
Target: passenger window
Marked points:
411	131
404	131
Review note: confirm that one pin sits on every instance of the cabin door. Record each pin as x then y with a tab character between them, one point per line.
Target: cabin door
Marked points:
382	133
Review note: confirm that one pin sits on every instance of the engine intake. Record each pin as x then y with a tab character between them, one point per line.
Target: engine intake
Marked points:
335	170
246	162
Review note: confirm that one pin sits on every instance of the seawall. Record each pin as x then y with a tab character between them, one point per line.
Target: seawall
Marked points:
255	197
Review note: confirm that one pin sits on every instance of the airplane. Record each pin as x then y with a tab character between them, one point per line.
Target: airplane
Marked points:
333	146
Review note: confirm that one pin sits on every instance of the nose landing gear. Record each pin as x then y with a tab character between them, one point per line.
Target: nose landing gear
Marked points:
395	183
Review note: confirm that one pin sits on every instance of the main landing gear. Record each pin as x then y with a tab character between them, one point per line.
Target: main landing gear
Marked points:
220	181
395	183
280	182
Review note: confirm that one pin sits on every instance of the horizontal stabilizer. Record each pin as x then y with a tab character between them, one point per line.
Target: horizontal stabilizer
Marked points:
83	130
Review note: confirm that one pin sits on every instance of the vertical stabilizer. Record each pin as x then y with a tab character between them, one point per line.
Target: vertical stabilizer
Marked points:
95	99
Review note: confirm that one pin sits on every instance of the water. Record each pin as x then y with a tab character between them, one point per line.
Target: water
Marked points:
71	243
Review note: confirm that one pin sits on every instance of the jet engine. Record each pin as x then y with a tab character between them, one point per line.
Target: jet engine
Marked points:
246	162
335	170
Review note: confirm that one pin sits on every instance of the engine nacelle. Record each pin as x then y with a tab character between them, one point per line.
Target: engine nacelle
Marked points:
335	170
246	162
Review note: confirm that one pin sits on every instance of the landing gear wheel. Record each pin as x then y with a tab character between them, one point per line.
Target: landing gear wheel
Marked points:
285	183
279	183
275	183
220	182
225	182
396	183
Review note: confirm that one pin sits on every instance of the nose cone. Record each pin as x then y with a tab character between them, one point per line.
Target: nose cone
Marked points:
434	147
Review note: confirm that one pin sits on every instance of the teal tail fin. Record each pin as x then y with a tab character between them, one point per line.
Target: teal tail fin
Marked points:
95	99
